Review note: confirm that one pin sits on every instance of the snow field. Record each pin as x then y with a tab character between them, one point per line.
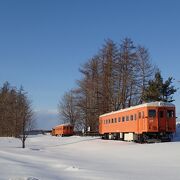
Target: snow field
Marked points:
53	158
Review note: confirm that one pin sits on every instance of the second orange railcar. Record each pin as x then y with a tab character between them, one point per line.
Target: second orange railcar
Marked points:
63	130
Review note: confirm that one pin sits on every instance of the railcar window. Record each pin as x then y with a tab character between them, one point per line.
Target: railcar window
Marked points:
119	119
143	114
115	120
152	113
161	114
109	121
139	114
170	113
127	118
123	118
112	120
131	117
135	117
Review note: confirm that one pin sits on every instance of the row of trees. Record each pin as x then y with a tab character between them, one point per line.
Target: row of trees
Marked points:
118	76
16	116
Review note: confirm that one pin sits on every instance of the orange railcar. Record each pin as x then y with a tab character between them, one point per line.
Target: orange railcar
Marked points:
145	122
63	130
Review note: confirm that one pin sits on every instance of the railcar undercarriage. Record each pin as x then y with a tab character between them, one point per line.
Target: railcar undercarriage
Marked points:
140	138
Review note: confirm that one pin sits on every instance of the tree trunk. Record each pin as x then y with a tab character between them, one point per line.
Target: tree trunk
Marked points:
23	143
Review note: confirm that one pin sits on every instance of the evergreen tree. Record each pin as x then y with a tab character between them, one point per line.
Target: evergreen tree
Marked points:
168	90
158	90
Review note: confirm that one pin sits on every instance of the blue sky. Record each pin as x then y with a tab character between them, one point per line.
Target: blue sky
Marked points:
44	42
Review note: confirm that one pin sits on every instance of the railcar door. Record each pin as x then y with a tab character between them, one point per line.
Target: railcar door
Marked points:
171	120
162	120
139	123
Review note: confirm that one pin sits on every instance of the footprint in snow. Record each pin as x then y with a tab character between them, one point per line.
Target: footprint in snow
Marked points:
72	168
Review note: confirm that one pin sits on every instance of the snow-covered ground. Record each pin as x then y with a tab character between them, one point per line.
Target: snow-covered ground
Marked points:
55	158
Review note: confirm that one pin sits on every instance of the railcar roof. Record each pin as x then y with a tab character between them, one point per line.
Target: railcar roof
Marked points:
151	104
67	124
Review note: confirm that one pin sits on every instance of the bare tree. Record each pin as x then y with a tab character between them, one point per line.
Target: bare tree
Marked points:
109	56
127	72
89	93
67	108
26	120
145	70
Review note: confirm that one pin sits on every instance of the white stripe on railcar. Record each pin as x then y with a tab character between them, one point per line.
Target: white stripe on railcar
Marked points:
151	104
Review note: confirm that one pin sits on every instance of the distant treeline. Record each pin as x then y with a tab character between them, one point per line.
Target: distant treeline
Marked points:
118	76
